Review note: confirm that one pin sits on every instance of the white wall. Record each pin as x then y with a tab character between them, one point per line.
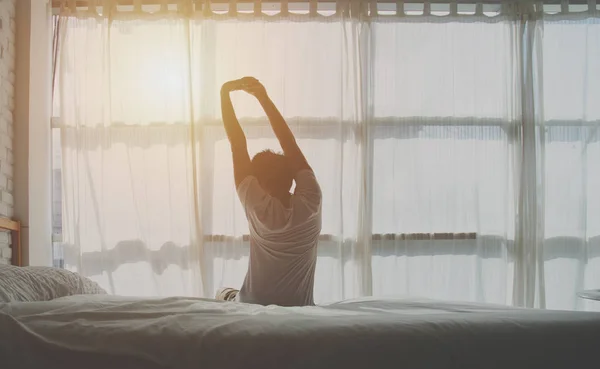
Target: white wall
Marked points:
7	93
32	168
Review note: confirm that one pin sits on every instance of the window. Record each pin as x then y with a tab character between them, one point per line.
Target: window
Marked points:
419	154
414	125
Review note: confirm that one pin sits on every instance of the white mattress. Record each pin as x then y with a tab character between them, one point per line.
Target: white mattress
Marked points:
87	332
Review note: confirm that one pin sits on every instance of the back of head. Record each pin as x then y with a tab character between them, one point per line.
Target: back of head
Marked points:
273	172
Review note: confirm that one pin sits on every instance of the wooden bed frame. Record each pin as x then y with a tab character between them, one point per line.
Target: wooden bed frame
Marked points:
14	227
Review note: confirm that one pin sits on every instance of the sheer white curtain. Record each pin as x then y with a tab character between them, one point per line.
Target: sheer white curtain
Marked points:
415	120
149	204
444	134
568	156
310	67
128	168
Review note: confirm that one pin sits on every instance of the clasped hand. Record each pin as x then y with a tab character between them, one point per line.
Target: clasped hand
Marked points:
247	84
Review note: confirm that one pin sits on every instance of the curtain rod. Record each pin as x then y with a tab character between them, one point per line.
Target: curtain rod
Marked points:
85	3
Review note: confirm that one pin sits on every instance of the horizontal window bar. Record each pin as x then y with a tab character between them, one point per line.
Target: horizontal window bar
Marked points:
329	238
375	237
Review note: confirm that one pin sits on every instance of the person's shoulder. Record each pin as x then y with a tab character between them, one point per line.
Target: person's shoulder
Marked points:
305	172
248	181
304	208
307	186
251	194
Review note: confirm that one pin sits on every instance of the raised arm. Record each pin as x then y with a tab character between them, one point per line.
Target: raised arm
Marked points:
280	127
242	166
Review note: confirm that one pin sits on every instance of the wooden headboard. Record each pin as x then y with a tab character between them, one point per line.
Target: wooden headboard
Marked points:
15	229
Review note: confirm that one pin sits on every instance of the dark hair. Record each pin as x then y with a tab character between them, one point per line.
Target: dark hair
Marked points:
272	171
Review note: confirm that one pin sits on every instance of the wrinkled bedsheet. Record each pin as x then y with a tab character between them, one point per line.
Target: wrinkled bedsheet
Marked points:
101	331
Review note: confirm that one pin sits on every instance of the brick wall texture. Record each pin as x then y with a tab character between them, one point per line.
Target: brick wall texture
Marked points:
7	105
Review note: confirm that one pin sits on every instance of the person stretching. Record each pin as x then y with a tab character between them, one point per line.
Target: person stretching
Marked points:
284	227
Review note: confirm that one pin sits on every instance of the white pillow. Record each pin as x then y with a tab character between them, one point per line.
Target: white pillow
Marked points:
28	284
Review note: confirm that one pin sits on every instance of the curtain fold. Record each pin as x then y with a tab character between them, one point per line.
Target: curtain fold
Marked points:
568	156
446	97
456	148
128	204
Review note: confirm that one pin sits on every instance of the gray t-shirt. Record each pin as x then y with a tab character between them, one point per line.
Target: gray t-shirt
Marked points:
283	243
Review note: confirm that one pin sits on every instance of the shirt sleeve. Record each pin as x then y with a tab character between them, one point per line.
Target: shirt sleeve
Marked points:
307	188
251	194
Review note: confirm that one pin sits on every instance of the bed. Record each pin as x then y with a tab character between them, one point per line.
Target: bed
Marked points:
101	331
89	329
